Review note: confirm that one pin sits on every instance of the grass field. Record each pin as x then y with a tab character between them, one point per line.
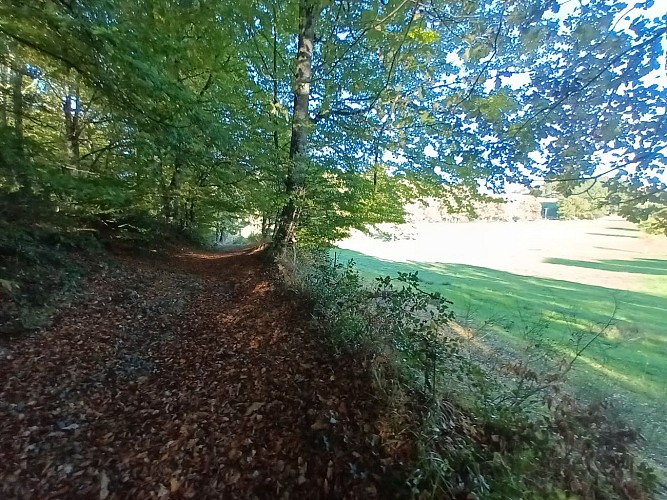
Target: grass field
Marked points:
555	278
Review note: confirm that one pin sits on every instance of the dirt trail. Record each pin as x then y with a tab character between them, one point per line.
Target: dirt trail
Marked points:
191	377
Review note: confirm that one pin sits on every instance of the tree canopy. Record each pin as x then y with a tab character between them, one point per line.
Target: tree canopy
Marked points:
320	115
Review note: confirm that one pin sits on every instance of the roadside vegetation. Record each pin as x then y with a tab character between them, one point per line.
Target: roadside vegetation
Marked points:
505	316
498	430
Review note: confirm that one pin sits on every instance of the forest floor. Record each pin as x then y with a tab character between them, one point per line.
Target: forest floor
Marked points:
189	376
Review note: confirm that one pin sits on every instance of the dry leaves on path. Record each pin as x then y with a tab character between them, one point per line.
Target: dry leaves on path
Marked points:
192	377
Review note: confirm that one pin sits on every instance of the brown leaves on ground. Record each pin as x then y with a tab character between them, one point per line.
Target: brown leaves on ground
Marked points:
193	377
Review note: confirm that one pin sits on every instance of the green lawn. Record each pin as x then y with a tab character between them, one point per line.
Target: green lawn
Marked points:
629	361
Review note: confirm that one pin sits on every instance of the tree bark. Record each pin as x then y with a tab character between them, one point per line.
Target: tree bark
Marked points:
295	182
19	166
17	100
72	110
276	141
4	94
172	203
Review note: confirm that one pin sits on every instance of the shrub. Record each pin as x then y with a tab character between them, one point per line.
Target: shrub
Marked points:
590	202
655	223
36	271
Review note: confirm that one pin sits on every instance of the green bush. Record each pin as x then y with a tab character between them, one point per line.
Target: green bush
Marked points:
656	223
589	202
37	271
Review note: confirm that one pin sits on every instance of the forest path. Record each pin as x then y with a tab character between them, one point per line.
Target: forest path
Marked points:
192	376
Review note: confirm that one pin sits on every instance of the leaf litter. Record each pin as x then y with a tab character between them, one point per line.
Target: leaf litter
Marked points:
189	376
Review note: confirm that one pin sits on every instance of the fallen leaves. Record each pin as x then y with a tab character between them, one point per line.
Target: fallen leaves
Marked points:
253	408
104	486
320	425
192	378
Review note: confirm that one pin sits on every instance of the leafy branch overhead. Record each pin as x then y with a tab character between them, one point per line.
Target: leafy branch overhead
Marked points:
196	113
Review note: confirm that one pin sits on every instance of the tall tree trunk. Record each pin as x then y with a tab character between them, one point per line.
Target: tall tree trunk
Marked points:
4	94
191	215
19	166
171	208
295	183
17	100
267	223
266	226
274	29
72	110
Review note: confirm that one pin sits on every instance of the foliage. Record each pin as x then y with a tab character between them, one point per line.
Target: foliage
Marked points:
413	323
642	204
143	120
587	201
656	223
37	272
143	141
479	432
159	110
407	317
335	291
605	51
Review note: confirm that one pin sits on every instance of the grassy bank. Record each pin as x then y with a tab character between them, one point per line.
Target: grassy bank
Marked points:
492	428
626	361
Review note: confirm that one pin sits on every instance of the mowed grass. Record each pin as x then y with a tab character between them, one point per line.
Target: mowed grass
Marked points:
627	363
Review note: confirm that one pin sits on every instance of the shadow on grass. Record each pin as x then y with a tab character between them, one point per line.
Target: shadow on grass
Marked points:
637	266
625	356
616	249
614	235
629	229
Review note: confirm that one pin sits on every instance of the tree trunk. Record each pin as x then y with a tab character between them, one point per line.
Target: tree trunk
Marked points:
19	166
17	99
296	176
72	110
267	226
276	138
4	94
171	207
190	222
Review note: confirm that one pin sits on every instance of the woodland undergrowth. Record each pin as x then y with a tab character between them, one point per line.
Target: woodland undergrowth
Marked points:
45	252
